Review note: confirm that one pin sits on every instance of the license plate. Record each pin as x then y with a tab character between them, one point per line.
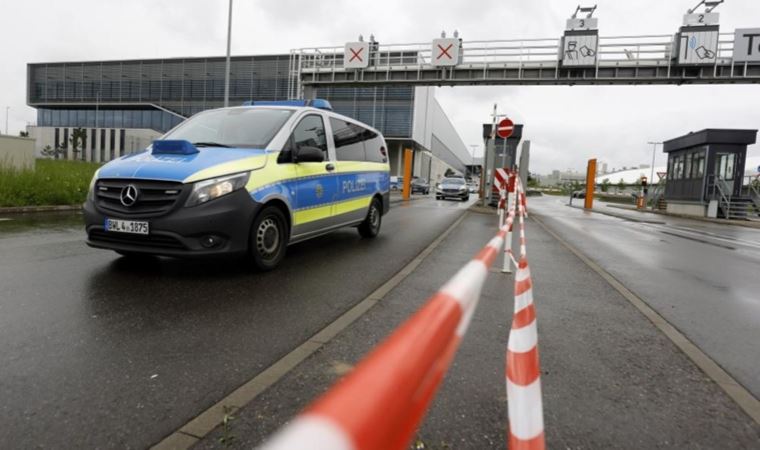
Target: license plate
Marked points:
127	226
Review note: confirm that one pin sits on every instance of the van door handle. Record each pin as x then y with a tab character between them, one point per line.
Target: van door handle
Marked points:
330	167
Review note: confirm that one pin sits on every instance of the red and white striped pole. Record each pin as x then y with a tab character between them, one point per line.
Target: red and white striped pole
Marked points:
525	407
508	258
380	404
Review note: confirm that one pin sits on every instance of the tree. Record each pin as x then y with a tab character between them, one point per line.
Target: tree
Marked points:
449	173
78	135
621	185
605	185
532	182
50	152
23	134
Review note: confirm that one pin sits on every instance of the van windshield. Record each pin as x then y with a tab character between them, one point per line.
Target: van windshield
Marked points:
237	127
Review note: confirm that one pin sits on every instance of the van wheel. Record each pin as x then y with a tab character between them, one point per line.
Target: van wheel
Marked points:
268	238
371	225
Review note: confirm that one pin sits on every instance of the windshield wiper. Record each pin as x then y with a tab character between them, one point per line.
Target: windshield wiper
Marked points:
210	144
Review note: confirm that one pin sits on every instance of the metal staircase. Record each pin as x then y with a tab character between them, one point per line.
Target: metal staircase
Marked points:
751	195
745	206
742	208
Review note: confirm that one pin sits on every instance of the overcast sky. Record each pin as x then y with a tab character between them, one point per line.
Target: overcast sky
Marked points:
567	125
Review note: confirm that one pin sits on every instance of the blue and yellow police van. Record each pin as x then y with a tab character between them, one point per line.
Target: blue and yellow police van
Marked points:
242	180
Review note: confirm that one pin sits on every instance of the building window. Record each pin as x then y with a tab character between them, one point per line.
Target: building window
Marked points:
112	146
102	145
687	172
122	138
56	142
679	167
700	166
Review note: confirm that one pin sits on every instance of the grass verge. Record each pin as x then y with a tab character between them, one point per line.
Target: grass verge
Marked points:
54	182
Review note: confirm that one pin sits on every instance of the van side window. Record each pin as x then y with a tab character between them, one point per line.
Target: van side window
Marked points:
374	147
349	145
310	132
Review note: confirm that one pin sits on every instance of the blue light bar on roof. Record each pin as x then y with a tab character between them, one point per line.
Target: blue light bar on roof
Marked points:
173	147
316	103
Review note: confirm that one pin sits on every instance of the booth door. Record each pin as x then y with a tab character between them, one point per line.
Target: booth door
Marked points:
725	166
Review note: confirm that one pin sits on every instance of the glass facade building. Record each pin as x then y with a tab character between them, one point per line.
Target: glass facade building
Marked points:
158	94
154	119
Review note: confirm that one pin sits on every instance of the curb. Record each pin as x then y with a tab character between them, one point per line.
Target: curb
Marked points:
37	209
619	216
396	201
482	209
738	223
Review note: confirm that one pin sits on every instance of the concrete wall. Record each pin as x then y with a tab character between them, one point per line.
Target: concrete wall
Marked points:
16	152
688	209
435	132
135	140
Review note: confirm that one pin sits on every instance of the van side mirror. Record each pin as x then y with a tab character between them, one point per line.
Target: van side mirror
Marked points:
308	154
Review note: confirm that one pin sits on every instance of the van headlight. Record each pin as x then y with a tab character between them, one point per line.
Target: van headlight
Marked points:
206	190
91	189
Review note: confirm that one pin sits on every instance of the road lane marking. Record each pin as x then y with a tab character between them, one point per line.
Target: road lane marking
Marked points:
732	240
205	422
696	239
730	386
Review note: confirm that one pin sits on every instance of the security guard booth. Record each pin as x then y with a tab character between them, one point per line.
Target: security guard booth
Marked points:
706	171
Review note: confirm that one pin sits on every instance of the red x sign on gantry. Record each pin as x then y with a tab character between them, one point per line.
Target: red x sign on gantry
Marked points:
356	54
444	51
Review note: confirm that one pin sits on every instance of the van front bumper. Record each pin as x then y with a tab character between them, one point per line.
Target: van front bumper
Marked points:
218	227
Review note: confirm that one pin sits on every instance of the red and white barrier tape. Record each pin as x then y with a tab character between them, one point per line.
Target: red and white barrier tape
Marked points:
523	373
380	404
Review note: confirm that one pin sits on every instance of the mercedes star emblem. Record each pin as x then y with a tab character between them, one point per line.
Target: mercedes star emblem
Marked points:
128	195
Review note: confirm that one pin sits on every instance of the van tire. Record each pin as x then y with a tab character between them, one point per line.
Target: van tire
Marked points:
371	225
269	238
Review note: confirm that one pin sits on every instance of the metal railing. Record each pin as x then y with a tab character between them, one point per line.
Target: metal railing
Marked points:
657	193
644	51
718	190
751	189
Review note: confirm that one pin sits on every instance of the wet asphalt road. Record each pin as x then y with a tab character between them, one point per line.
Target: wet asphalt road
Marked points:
704	278
101	352
609	378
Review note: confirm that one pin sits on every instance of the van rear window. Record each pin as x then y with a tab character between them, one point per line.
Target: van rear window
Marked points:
356	143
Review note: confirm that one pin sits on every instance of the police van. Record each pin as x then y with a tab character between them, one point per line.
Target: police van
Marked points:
242	180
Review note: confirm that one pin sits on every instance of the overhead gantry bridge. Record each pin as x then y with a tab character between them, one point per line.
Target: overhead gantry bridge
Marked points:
621	60
697	54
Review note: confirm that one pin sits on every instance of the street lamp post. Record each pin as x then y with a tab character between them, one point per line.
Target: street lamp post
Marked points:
654	152
472	159
227	65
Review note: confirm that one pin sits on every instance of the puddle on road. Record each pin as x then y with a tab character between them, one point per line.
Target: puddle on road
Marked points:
41	222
